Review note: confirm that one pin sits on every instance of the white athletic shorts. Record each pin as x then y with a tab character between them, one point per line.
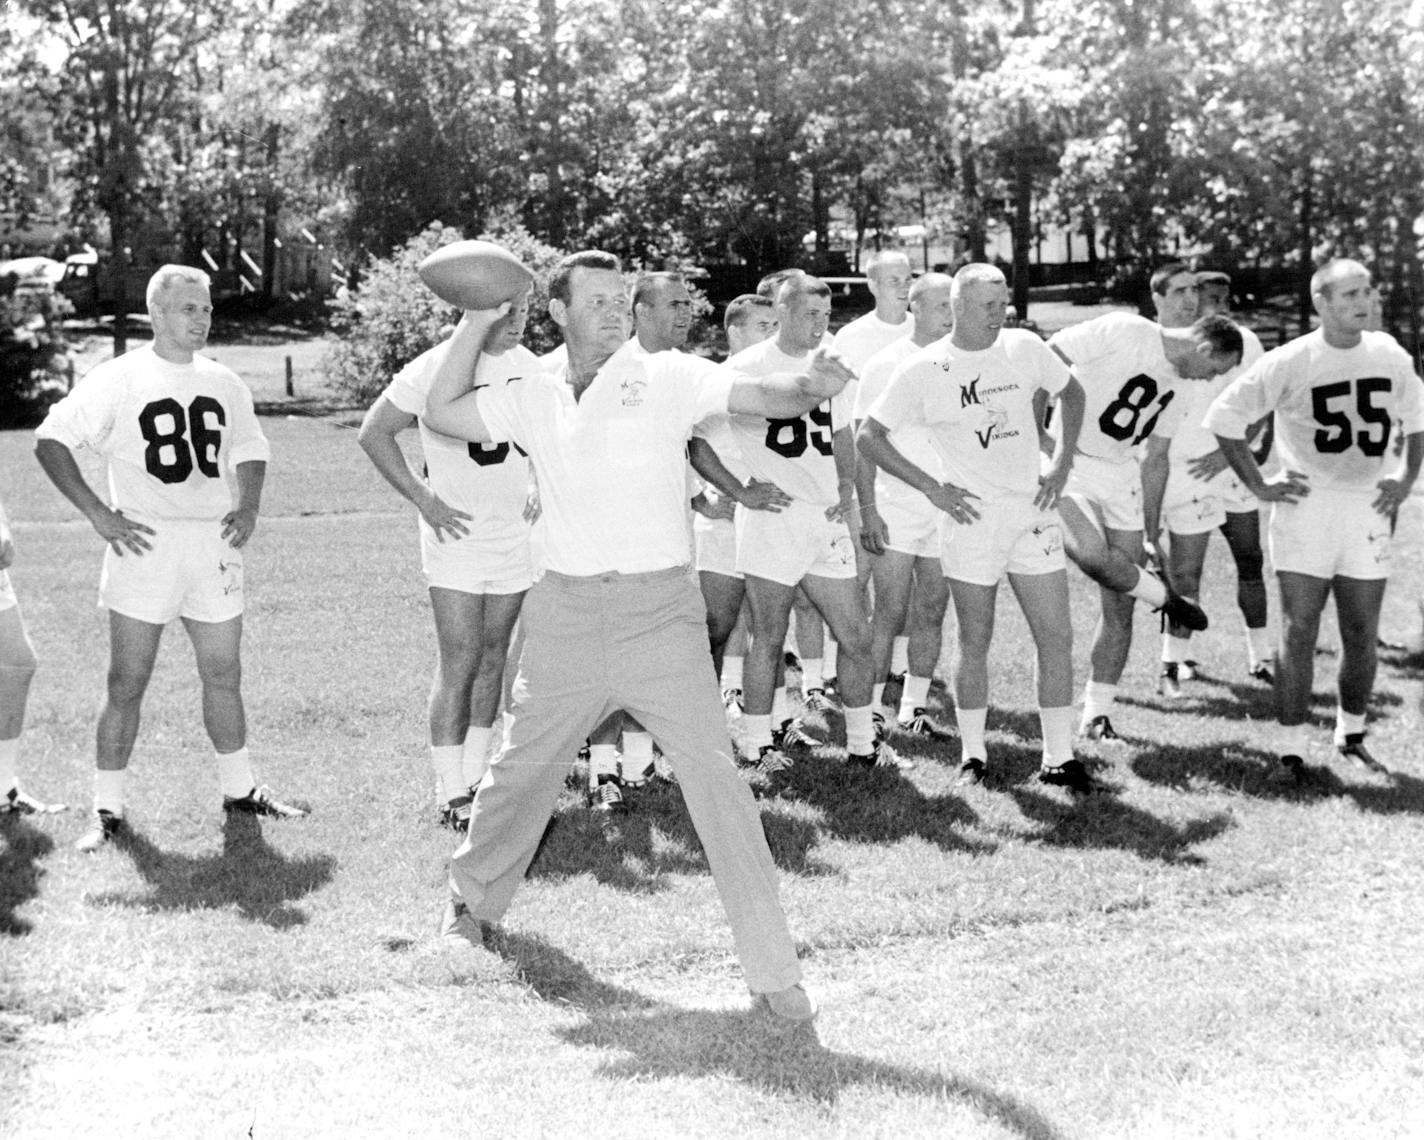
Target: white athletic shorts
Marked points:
1235	497
191	571
716	545
915	527
1191	506
1010	536
1330	534
7	592
1108	490
787	545
474	565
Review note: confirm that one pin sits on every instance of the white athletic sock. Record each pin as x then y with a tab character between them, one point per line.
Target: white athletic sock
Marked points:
448	761
877	694
1295	739
860	731
1057	727
971	733
1175	650
757	730
915	695
602	761
1098	700
831	653
637	755
9	764
780	706
1258	646
811	675
109	790
474	755
1149	589
900	656
1347	724
235	773
732	672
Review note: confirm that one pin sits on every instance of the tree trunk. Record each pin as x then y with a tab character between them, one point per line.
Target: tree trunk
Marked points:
119	274
1023	217
1304	309
271	208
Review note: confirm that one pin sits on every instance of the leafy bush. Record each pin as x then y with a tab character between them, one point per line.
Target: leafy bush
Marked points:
391	318
34	363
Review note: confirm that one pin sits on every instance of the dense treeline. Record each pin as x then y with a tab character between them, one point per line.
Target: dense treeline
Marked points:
1270	133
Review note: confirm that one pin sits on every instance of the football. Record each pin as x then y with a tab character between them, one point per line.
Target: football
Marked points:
474	274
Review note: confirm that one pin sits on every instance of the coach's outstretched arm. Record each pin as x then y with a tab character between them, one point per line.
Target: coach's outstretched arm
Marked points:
785	397
452	408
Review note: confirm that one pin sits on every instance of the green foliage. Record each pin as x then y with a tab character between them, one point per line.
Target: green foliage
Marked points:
33	363
390	318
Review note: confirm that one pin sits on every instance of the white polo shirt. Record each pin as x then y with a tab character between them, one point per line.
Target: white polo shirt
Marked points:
911	439
612	466
172	433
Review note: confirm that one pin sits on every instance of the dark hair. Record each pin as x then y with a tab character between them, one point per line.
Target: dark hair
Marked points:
1165	274
559	289
769	285
648	281
739	309
1221	333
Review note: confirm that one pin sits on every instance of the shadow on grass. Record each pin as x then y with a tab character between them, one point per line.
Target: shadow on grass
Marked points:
1107	822
1254	772
782	1059
22	846
248	876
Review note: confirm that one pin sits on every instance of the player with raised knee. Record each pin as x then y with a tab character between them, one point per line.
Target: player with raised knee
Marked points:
1337	394
1131	370
900	529
980	394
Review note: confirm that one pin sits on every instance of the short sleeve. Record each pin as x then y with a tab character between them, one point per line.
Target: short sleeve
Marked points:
85	417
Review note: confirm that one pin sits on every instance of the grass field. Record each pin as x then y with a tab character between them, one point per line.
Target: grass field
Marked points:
1199	952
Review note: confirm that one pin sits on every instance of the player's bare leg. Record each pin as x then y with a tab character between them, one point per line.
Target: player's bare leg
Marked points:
17	670
1186	558
723	594
1242	531
1357	610
770	605
1302	602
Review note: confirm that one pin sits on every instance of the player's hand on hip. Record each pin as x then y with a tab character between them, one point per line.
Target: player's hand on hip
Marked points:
1392	493
123	533
1207	466
827	375
1050	487
238	525
1287	488
442	517
874	534
761	495
955	502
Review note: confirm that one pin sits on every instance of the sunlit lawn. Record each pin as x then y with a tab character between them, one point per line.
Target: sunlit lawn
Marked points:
1198	952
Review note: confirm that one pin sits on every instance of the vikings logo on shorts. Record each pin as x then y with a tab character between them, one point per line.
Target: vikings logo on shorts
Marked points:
232	577
1049	536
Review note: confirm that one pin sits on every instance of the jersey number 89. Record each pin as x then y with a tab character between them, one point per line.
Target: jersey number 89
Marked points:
171	436
789	437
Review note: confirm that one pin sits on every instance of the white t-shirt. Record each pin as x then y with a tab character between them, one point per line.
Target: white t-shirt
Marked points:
612	466
865	336
912	440
1131	389
488	481
795	454
1192	439
1336	408
978	408
172	433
